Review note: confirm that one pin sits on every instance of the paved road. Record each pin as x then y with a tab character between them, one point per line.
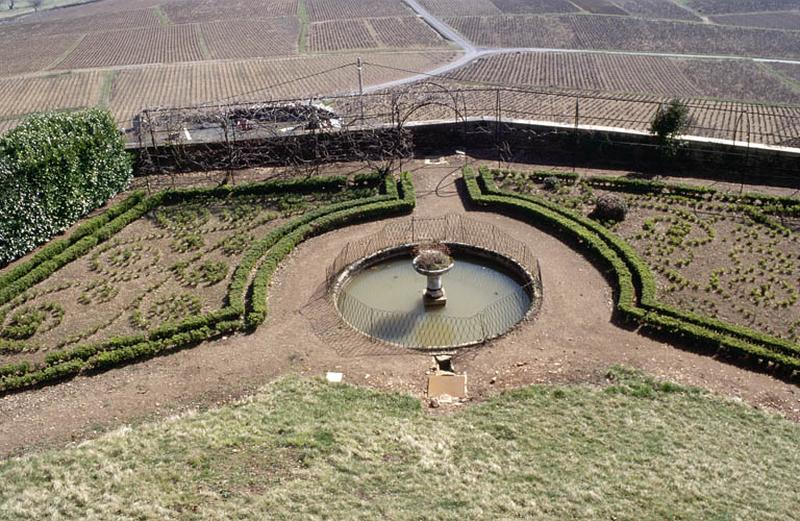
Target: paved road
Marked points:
471	52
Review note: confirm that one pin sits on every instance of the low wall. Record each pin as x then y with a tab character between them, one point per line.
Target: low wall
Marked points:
597	147
518	141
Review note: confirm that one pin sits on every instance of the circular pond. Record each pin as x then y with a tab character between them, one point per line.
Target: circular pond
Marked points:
486	295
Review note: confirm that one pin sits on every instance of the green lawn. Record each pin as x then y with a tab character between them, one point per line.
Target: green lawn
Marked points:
304	449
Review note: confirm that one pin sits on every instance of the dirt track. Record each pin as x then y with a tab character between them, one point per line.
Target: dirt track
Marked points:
572	340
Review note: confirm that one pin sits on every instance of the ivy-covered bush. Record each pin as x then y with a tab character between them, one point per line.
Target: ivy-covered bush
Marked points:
55	168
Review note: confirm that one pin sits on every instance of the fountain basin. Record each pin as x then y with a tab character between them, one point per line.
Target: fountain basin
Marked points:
488	294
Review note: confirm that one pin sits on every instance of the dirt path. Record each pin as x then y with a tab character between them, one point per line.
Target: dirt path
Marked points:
572	340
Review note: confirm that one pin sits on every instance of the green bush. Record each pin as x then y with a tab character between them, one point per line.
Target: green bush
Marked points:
670	120
55	168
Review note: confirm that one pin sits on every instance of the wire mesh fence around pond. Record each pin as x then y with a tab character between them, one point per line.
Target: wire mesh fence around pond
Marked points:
453	229
494	284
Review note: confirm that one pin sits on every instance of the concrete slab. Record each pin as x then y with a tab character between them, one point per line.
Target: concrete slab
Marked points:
454	385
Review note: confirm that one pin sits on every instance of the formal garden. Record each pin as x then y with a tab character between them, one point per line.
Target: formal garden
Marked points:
155	272
98	276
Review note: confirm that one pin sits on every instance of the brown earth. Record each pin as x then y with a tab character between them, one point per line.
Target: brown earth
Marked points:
571	340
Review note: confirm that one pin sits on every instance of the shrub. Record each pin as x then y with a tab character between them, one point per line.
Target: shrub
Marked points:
54	168
551	183
176	332
670	120
24	323
609	207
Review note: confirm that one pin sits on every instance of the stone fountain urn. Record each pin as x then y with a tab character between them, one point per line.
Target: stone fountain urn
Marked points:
433	262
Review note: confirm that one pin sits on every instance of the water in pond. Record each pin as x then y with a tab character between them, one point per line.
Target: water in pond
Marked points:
385	301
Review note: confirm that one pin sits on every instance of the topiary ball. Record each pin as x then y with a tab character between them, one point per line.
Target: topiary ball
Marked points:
609	207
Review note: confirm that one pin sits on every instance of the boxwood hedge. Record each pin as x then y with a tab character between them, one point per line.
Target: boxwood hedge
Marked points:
240	312
636	299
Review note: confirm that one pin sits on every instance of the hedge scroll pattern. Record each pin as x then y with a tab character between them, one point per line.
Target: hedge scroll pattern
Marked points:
636	299
242	301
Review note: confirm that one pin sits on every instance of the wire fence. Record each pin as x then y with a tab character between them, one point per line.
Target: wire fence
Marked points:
429	330
432	329
548	126
743	122
451	228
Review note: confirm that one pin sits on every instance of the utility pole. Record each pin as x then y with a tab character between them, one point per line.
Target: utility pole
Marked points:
360	67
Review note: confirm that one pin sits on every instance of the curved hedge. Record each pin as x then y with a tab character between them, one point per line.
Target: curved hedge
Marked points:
264	255
55	168
637	300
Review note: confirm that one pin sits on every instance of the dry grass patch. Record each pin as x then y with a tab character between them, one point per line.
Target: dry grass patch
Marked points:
302	449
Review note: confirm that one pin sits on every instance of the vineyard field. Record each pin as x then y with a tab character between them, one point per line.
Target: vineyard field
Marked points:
337	35
726	79
626	33
788	70
62	91
775	125
788	21
533	6
37	54
191	11
367	33
741	6
403	32
738	80
657	9
580	71
90	8
188	84
33	25
463	7
599	7
251	39
157	45
320	10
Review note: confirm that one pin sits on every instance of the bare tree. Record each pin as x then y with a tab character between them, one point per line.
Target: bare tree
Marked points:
37	4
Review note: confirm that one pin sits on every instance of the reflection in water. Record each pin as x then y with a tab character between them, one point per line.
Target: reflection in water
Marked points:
385	301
